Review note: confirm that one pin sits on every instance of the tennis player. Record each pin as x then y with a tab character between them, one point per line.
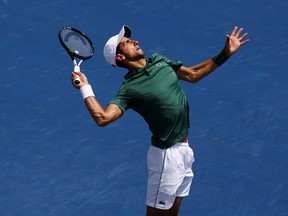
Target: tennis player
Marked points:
151	87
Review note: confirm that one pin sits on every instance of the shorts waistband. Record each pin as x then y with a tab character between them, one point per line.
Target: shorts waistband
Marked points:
159	144
180	144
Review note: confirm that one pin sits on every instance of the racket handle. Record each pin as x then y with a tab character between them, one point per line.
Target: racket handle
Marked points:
77	80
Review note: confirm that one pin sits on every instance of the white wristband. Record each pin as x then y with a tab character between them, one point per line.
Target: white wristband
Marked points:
86	91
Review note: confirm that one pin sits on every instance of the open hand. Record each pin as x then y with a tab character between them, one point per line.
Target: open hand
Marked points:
234	41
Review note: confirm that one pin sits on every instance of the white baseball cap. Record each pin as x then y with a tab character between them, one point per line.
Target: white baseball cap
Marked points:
110	47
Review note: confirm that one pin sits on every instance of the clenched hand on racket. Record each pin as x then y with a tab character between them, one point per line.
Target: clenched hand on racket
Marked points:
82	79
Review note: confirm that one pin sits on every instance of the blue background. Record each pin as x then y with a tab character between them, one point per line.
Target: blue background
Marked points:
54	161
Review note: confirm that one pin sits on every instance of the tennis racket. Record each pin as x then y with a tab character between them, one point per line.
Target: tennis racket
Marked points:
77	45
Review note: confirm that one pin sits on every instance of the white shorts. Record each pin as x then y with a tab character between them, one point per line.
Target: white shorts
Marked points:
169	174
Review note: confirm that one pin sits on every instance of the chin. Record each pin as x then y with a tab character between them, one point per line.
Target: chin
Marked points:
142	53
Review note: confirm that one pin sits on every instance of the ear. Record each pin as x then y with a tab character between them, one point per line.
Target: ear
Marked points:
119	57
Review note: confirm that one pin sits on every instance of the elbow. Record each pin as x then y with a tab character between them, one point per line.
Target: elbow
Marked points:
100	119
195	77
194	81
101	123
104	118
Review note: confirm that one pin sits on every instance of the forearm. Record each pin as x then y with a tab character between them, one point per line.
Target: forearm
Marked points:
96	111
203	69
100	115
195	73
210	65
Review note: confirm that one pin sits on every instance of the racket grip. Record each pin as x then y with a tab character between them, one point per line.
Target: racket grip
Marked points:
77	80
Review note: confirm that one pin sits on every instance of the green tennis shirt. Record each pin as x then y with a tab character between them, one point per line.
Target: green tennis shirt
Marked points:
156	94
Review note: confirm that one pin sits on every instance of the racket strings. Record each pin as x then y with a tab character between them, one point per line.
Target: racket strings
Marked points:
77	43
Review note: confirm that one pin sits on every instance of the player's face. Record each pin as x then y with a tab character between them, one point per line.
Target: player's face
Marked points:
131	49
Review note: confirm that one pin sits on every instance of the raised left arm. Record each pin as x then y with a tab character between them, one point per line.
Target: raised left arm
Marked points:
195	73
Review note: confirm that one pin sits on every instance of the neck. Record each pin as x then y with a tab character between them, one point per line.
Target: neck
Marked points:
133	65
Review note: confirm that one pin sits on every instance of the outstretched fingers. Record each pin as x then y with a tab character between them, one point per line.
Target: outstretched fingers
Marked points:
233	33
237	34
243	37
235	40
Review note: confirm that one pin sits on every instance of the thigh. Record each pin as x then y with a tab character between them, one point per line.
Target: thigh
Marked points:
169	175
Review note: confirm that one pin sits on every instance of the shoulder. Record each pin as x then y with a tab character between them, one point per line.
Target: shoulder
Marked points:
157	56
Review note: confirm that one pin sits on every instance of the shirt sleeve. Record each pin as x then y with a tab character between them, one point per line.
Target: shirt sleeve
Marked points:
122	98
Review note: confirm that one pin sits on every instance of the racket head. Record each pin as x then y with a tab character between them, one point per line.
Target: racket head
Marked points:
76	43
